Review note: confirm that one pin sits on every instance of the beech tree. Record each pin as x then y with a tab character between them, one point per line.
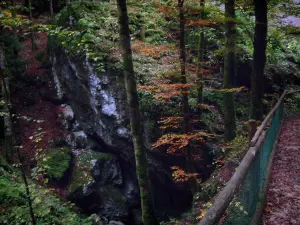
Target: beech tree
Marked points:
200	58
148	217
185	100
259	57
51	8
229	70
33	45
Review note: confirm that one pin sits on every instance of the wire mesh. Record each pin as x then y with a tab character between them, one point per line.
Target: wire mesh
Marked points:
243	206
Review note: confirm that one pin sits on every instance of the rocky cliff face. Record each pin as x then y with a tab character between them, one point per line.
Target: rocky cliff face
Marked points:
95	114
98	100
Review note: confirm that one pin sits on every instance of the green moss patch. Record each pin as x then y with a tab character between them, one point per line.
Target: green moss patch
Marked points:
57	162
82	173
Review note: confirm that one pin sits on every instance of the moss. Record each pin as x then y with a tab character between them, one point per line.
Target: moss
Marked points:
82	172
57	162
80	177
89	155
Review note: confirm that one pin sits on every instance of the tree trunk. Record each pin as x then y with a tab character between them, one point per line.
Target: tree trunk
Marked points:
8	144
33	44
148	217
185	100
229	71
51	8
200	60
14	11
259	57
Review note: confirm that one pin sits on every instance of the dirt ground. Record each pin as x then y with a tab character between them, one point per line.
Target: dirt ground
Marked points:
283	200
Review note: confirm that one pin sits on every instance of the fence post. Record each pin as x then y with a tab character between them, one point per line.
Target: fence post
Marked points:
252	128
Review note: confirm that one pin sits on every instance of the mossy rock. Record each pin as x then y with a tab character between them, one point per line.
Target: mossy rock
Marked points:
82	173
57	162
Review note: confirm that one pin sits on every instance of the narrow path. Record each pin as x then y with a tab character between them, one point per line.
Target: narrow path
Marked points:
283	200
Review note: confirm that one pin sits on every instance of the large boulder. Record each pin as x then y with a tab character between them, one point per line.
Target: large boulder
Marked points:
96	185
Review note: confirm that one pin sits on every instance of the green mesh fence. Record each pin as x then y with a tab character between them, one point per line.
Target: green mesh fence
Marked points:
243	206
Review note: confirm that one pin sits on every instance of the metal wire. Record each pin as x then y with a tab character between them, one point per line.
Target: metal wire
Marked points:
245	202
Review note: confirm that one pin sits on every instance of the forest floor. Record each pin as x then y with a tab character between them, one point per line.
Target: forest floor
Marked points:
283	200
39	123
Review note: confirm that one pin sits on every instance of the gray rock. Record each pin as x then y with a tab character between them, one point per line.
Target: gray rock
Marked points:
79	139
107	171
67	112
97	100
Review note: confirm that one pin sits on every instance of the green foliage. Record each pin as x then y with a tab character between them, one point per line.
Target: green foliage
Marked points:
13	62
293	103
237	147
55	163
213	97
47	207
3	163
92	29
208	191
243	107
148	105
10	192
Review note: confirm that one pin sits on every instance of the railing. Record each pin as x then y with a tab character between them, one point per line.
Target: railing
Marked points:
242	200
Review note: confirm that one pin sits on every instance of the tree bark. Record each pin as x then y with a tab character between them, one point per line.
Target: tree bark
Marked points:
147	204
229	71
8	144
14	12
185	100
33	44
259	57
51	8
200	60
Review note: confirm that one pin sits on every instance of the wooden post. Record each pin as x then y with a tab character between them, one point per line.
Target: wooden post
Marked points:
252	125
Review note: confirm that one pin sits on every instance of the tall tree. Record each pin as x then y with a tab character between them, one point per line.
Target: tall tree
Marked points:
229	70
51	8
33	44
259	57
200	58
14	12
185	100
148	216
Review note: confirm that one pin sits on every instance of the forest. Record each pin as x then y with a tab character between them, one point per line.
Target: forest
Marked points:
149	112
